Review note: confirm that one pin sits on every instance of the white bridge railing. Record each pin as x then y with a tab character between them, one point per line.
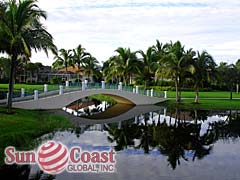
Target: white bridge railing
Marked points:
84	86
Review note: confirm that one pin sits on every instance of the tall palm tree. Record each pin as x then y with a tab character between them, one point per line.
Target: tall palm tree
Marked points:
126	63
160	50
203	65
64	59
21	31
177	62
147	65
90	66
109	71
79	55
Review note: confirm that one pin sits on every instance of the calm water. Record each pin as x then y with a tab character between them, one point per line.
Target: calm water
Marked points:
159	144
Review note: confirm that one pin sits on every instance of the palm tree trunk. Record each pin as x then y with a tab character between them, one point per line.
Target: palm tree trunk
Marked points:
125	80
196	95
88	77
31	76
179	90
231	90
25	74
145	85
66	72
11	83
78	73
177	95
196	115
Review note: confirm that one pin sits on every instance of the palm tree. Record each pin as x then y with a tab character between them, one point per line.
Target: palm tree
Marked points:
79	56
126	63
64	59
177	63
203	65
21	31
147	65
160	50
90	66
33	68
109	70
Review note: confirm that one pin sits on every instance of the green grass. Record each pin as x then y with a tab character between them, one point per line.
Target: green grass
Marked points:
212	94
28	87
208	104
23	127
101	97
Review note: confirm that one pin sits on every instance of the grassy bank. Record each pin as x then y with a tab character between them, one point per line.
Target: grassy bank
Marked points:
28	87
101	97
209	94
22	128
208	104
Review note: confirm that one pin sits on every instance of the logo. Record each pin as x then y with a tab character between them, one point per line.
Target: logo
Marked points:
54	157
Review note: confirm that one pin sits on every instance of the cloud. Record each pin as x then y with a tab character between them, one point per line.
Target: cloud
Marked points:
102	26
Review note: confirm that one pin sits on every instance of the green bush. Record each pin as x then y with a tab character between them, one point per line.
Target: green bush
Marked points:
3	81
56	80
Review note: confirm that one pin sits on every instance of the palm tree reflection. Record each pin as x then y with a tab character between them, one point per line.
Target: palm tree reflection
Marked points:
178	139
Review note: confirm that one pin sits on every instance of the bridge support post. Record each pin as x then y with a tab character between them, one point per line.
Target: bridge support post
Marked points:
67	84
152	93
134	90
35	94
60	89
22	92
86	83
148	92
120	86
45	88
83	86
103	84
137	90
165	94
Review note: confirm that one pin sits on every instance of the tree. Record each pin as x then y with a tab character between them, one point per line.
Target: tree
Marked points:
203	67
4	68
125	63
177	62
63	60
148	64
33	68
21	31
160	50
238	75
227	76
90	66
79	56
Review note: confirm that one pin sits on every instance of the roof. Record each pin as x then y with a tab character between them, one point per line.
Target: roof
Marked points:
72	69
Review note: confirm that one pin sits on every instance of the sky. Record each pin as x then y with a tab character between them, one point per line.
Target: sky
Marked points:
101	26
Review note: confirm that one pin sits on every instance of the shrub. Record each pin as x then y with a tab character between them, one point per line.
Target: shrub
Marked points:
56	80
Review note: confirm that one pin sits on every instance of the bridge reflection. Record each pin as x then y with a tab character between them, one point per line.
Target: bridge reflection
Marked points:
115	115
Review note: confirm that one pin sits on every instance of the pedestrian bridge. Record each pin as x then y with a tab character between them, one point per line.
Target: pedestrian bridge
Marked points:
59	101
60	98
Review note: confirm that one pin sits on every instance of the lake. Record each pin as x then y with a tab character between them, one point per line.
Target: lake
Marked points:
153	143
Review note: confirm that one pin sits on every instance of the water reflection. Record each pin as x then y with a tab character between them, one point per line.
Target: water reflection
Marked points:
87	107
158	142
182	136
173	139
